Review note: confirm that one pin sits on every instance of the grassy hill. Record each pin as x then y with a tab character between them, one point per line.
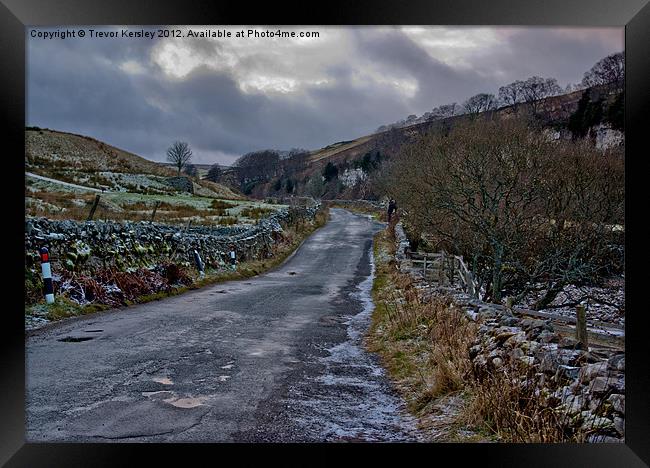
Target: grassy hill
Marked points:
65	172
85	161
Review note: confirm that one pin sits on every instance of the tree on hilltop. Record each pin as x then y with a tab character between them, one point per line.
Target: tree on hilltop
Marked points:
180	154
536	88
512	94
610	69
480	103
214	173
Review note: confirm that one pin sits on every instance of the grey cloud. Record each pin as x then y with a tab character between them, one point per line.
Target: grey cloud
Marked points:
77	86
438	83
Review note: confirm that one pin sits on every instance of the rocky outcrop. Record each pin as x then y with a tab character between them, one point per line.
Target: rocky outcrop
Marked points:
352	177
607	137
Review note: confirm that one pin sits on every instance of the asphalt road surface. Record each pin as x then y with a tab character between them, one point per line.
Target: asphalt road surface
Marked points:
276	358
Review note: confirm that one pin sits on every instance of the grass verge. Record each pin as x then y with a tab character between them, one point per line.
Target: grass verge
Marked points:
424	348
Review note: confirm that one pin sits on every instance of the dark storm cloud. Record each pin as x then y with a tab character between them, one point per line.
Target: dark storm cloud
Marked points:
234	97
438	83
563	55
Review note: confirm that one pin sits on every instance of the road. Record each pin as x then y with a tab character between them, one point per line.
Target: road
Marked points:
276	358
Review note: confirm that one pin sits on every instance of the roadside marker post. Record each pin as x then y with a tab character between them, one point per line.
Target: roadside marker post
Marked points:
233	258
199	263
47	275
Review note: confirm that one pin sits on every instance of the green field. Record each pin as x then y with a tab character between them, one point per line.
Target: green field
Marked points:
56	201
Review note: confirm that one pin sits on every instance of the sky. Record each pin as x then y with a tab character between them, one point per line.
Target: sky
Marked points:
231	95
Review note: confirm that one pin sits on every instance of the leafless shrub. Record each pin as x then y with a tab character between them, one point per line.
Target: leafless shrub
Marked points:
520	208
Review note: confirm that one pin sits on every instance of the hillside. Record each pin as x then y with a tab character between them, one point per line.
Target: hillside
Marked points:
354	163
83	160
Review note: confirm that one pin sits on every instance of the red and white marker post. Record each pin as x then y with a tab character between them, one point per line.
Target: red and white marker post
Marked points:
47	275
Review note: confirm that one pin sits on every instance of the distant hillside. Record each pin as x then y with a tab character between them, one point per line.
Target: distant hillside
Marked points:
353	162
89	162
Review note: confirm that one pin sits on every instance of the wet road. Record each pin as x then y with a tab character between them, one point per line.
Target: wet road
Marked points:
274	358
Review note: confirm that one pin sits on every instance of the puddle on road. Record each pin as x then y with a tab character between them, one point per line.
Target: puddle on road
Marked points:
159	392
189	402
170	397
352	399
76	339
163	380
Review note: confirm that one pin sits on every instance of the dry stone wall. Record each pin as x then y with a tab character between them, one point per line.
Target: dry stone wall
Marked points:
586	386
85	246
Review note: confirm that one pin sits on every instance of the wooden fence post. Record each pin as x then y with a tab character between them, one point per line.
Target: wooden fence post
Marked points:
581	326
441	270
424	273
94	207
452	269
155	207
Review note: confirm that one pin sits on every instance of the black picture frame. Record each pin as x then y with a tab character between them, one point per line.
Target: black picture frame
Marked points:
15	15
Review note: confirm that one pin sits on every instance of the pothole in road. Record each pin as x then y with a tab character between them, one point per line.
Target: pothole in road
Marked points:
292	273
75	339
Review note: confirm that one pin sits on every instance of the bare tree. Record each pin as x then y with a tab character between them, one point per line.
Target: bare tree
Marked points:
443	111
180	154
610	69
536	88
257	166
512	94
315	186
480	103
295	161
214	173
523	210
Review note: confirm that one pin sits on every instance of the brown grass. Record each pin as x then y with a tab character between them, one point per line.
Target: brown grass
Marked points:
131	211
220	205
510	405
255	213
425	348
423	344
